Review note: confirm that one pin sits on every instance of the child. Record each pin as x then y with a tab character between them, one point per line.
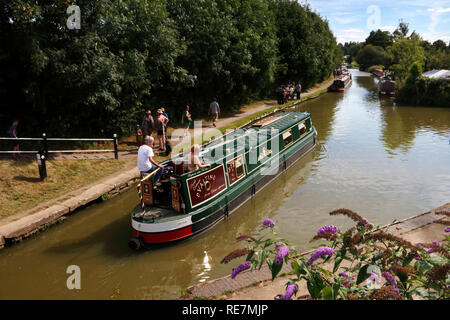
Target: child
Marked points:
139	136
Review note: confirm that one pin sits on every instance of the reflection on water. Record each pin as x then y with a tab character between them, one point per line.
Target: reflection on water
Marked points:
383	161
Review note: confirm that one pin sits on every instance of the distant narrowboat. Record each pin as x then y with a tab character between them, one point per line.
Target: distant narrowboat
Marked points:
242	163
341	83
386	87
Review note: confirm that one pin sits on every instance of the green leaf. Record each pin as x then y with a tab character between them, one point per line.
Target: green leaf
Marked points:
276	268
315	285
337	263
336	288
327	293
437	260
408	259
296	268
422	266
362	275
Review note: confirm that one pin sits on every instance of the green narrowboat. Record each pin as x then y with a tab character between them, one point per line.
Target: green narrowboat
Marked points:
242	163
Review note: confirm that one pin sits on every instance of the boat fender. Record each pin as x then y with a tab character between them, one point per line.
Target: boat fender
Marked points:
134	244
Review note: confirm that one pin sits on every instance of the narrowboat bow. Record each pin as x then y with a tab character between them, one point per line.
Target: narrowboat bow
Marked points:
242	163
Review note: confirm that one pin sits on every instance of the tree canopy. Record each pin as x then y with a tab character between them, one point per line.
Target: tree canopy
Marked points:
132	55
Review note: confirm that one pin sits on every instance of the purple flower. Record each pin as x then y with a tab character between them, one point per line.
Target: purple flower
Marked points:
279	244
290	291
325	229
436	243
374	277
343	274
268	223
447	229
243	266
319	253
283	252
366	222
390	280
351	278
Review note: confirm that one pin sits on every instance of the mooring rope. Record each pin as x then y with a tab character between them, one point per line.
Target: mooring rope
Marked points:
141	195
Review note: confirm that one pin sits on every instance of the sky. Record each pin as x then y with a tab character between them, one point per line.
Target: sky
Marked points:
352	20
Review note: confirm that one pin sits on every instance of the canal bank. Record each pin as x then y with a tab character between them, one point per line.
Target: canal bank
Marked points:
25	224
257	284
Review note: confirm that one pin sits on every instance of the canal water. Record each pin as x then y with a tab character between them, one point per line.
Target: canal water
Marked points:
383	161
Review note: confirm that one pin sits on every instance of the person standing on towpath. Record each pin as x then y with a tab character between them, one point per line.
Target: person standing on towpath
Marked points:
214	111
13	134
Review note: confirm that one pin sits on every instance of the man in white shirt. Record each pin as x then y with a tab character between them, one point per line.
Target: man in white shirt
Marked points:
146	164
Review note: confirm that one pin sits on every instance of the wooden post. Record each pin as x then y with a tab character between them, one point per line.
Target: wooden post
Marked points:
116	152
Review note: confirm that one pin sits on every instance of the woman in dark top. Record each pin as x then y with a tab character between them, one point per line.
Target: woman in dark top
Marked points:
186	121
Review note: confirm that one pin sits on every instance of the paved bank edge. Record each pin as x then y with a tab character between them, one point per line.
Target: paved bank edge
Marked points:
28	225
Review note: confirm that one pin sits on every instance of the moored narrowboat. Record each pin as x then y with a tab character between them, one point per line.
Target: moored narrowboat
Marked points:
386	87
242	163
341	83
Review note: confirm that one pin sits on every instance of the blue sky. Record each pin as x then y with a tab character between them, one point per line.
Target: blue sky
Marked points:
352	20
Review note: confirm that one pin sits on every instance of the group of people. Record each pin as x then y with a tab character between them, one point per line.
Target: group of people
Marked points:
291	91
149	125
160	124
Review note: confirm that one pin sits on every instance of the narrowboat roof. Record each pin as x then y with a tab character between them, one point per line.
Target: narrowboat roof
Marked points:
280	122
283	122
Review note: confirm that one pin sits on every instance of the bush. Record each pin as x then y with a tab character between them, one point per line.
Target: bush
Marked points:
408	271
425	92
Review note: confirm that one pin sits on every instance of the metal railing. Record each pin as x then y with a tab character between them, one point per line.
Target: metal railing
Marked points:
41	154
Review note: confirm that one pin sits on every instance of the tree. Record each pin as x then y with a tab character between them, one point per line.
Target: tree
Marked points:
372	55
403	53
307	49
439	45
401	31
380	38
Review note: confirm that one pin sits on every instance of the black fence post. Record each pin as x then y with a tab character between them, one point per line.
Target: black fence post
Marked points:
41	165
116	152
45	151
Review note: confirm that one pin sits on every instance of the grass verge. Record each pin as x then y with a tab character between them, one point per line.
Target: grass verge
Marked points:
21	188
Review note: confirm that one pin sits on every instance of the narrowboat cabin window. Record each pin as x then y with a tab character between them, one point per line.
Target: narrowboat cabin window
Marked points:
301	129
287	138
239	167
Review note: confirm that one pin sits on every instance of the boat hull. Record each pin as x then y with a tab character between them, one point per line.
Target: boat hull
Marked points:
144	234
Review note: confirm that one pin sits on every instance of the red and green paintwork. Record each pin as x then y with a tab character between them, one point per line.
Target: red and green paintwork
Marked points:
210	194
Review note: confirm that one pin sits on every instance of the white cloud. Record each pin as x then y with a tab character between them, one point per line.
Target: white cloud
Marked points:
435	16
344	20
354	34
388	28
